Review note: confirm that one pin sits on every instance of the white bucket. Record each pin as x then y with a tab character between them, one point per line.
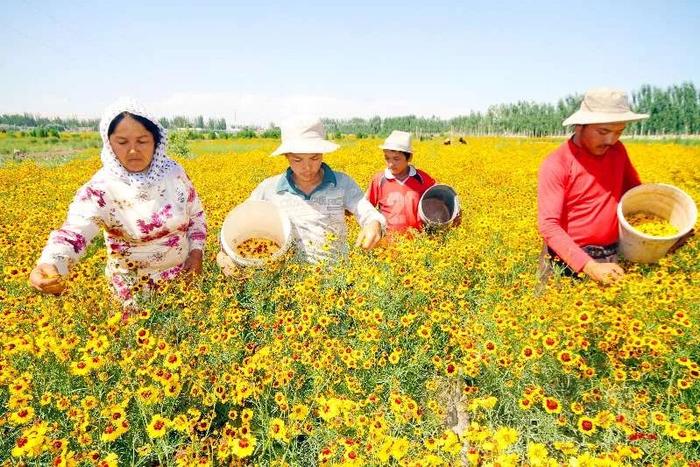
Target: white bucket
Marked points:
255	219
431	207
658	199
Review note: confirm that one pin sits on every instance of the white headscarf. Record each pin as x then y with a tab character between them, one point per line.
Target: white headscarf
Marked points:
161	163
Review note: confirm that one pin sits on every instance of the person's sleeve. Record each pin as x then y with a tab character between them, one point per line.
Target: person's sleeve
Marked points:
551	192
68	244
373	192
258	194
631	177
197	228
429	181
359	206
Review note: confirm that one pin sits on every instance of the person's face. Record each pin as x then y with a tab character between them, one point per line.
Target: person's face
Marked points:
396	162
133	145
598	138
306	167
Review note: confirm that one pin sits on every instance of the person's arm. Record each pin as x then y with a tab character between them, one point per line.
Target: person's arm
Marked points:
372	194
68	244
196	230
429	181
260	191
551	193
372	221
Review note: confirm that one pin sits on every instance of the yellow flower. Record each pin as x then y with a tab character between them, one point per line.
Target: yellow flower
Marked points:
505	437
243	447
148	395
328	409
586	425
157	426
299	412
551	405
110	460
80	368
277	430
537	454
172	361
22	416
399	448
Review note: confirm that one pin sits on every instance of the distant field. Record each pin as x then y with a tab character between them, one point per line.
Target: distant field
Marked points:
51	150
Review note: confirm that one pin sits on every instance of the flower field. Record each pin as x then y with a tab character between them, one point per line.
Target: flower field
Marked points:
371	362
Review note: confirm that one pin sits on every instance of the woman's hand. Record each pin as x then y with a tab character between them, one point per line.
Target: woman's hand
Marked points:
193	263
370	235
45	278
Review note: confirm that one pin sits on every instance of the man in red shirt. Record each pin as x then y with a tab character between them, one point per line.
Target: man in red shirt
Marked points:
397	190
580	184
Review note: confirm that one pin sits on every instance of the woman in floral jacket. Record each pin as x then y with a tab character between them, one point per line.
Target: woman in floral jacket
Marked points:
153	221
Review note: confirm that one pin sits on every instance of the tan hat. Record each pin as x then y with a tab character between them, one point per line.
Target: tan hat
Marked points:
604	105
304	136
398	141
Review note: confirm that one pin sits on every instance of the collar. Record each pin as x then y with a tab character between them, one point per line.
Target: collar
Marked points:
286	183
412	172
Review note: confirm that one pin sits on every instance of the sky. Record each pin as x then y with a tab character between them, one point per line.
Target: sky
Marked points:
260	62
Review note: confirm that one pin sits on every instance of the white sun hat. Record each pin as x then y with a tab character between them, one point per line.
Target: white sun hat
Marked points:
604	105
398	141
304	136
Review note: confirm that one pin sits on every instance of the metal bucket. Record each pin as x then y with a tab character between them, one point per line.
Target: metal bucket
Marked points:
438	206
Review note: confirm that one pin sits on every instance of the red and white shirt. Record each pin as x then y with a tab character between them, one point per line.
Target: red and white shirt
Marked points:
398	199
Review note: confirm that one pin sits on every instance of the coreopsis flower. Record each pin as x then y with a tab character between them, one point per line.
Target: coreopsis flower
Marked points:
157	427
586	425
243	447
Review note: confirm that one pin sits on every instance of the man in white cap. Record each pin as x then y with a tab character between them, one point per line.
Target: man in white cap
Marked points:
580	184
397	189
315	197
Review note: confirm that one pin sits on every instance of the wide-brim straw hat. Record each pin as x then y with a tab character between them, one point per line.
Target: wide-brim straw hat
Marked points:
398	141
304	136
604	105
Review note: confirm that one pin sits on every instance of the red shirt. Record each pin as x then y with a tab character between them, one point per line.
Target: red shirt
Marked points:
398	200
577	198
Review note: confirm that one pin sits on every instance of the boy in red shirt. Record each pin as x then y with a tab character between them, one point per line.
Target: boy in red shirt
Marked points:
579	187
396	190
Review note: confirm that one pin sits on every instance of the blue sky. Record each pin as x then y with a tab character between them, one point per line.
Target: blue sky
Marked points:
257	62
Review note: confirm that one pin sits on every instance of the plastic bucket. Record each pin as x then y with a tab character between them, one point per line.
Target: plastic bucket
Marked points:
438	206
252	219
658	199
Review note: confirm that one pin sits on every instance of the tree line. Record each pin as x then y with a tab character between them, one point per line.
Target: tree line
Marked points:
674	110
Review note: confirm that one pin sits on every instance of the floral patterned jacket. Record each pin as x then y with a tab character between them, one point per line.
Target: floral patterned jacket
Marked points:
149	231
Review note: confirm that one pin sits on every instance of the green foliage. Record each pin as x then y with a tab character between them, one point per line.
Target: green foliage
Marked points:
177	144
27	120
674	110
247	133
272	132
